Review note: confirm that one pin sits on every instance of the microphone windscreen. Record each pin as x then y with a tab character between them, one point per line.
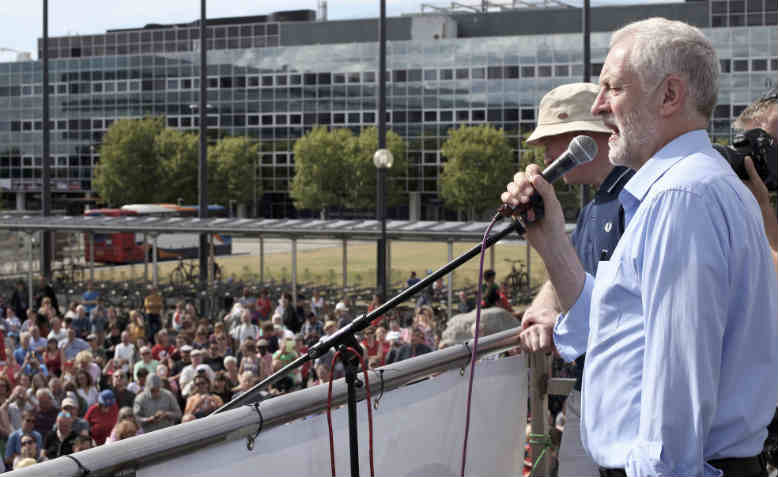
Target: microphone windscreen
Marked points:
583	148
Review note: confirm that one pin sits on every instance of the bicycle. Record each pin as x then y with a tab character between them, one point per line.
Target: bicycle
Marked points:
186	272
518	278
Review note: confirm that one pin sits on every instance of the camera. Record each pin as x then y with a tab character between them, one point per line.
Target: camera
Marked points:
763	151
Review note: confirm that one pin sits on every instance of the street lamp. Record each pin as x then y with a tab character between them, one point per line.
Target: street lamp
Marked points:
383	160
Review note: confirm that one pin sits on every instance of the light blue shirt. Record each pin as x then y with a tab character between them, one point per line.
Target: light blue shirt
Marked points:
682	362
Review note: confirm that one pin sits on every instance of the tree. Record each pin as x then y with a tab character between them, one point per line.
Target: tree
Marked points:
321	177
232	170
129	170
363	182
480	163
178	155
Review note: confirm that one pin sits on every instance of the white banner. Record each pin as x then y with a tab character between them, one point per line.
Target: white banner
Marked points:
418	430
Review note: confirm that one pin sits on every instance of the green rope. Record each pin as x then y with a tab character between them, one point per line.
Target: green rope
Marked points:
544	439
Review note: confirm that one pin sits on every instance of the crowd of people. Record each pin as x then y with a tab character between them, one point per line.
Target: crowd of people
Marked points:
86	374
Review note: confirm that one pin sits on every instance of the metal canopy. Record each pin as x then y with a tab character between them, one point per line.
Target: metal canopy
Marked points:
267	228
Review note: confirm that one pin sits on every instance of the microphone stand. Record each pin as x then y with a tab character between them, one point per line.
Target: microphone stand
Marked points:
345	337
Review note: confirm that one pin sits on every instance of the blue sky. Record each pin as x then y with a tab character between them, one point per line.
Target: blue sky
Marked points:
20	21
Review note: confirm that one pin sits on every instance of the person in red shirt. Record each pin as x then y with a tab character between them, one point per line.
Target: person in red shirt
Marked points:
102	415
163	344
264	306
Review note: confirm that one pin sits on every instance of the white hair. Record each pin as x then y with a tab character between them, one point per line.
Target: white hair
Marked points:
661	47
227	359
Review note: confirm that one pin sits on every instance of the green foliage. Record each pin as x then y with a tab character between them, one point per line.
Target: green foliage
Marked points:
480	163
321	164
334	168
363	183
178	154
231	166
142	161
129	169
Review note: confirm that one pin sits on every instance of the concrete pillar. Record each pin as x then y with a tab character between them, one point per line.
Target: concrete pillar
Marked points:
261	260
294	272
414	206
344	262
155	266
450	278
145	258
20	202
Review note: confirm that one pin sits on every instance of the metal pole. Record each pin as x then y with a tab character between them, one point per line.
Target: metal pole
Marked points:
46	236
351	401
528	259
388	264
450	279
587	77
91	256
145	258
492	252
29	272
261	260
203	163
381	178
344	263
155	267
294	272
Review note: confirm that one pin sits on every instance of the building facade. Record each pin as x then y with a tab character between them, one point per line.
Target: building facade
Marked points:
272	78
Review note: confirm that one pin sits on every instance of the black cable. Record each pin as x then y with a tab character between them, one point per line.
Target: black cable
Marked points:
84	470
250	440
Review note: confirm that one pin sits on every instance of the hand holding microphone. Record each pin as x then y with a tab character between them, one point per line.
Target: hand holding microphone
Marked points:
522	198
531	193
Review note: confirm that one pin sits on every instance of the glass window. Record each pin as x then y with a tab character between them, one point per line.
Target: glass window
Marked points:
414	75
399	76
740	65
561	70
463	73
527	71
726	66
368	77
478	73
544	71
755	19
718	7
430	75
759	65
446	74
353	77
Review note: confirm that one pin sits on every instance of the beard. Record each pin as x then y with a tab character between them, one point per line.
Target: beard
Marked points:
635	131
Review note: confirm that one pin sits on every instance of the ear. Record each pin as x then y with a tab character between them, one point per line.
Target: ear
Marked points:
674	91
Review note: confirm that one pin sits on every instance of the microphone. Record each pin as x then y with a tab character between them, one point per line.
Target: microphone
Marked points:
582	149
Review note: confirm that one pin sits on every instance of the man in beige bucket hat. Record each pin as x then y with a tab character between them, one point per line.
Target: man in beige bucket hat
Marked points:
565	112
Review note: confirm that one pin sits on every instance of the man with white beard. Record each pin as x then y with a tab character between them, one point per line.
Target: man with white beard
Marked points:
679	325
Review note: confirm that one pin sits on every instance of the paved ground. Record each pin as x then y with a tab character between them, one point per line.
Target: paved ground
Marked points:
251	246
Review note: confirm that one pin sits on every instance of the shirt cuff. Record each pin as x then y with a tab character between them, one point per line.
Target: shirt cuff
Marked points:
571	330
644	459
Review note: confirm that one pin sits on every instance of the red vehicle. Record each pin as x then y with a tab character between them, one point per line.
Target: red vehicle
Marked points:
129	247
119	247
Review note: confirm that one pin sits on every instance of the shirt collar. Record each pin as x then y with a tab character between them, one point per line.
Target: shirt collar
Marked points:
615	178
664	159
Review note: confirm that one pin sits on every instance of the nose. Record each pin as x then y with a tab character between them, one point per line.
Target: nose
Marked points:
600	105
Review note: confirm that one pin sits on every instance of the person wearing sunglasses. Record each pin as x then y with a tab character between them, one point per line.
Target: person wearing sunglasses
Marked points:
13	447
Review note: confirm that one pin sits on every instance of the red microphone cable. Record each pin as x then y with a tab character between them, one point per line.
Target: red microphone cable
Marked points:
369	411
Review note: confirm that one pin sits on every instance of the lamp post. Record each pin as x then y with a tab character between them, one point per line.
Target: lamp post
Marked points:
383	160
46	236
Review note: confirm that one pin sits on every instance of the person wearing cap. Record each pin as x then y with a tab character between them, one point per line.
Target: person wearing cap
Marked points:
146	361
342	315
155	407
101	416
189	372
564	113
70	404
